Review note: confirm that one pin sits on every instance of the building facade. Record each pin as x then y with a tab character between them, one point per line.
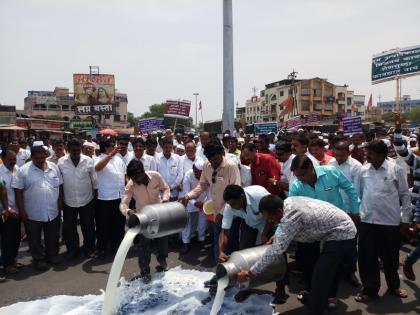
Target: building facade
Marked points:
59	104
314	95
406	105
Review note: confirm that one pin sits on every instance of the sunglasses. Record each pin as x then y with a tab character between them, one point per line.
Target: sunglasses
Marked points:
213	177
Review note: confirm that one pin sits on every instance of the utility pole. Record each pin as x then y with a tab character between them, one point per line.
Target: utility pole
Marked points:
292	76
254	90
228	92
196	121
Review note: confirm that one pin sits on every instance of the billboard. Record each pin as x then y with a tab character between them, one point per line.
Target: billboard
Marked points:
265	128
293	122
352	125
94	89
151	124
312	118
177	108
94	109
395	63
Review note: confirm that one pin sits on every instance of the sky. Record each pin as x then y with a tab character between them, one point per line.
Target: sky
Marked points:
170	49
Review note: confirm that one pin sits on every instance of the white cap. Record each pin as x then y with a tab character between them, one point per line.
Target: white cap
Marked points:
199	165
38	144
88	144
180	146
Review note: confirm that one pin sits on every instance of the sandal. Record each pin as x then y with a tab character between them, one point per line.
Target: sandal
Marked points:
364	298
11	269
401	293
332	303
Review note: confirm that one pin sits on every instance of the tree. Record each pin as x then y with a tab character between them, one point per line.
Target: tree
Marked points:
388	117
131	119
413	115
155	110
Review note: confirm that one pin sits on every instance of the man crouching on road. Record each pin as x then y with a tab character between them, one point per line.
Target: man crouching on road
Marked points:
307	220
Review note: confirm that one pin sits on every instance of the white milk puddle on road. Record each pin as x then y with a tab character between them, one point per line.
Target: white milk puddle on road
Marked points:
177	291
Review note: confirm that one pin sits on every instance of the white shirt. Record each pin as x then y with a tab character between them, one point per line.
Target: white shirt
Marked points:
286	172
252	216
126	158
246	176
149	162
111	179
7	177
187	164
78	181
200	151
171	171
40	190
351	168
189	183
382	190
22	156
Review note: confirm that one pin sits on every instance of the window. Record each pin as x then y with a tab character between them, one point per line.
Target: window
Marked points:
107	116
305	92
317	92
281	93
305	106
117	118
317	106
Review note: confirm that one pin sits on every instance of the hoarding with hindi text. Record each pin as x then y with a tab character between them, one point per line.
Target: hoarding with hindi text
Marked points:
151	124
352	125
177	108
94	89
396	63
265	128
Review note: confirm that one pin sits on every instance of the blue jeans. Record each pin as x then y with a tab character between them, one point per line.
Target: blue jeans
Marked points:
413	256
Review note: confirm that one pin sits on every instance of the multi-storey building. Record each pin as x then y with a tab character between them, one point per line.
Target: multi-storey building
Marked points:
406	105
59	104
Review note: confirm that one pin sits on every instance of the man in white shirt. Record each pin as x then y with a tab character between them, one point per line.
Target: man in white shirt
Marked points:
58	151
197	221
151	145
110	223
10	227
351	168
24	154
204	139
285	158
300	144
123	153
385	211
39	200
149	163
190	157
170	167
79	183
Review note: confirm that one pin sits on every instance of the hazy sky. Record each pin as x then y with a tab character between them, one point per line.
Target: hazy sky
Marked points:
161	49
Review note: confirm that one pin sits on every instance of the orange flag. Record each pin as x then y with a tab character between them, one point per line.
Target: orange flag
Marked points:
288	106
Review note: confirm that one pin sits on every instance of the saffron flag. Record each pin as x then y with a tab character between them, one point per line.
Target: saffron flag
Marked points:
288	106
199	106
370	102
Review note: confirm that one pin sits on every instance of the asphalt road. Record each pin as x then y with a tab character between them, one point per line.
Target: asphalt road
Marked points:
89	276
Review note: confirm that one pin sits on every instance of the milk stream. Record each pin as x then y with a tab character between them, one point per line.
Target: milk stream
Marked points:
110	300
222	283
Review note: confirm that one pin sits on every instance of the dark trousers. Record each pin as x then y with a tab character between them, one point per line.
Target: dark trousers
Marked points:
110	224
378	241
51	230
87	224
10	240
324	282
307	255
145	252
350	261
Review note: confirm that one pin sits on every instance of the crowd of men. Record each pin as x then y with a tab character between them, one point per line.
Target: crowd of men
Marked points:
347	202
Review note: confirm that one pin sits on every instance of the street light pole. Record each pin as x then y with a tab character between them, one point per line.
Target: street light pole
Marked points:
228	97
196	121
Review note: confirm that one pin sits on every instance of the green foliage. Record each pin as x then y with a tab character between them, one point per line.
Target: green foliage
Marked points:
388	117
413	115
155	110
131	119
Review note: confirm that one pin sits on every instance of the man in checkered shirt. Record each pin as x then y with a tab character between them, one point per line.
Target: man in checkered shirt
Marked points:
307	220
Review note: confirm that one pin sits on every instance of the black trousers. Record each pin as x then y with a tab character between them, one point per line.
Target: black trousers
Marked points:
110	224
10	240
378	241
51	230
307	255
145	252
87	224
324	282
